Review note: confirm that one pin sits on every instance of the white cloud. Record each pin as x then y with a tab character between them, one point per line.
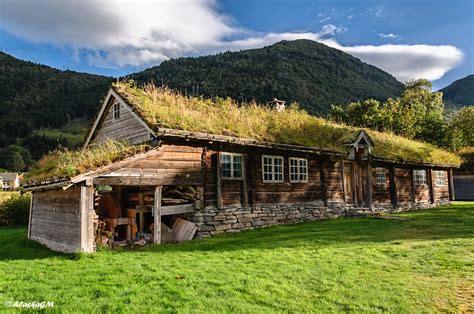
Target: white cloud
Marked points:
330	29
113	33
389	35
325	19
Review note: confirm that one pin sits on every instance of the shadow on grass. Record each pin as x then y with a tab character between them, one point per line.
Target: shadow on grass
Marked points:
456	221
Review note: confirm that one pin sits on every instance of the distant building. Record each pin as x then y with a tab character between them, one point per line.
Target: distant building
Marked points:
9	180
278	105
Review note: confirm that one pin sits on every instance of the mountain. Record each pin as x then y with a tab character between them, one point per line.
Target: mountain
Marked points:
41	107
310	73
459	93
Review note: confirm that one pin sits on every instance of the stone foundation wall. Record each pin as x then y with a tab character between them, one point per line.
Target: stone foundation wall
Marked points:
212	221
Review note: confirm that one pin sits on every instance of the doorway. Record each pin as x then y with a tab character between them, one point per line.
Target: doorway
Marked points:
355	183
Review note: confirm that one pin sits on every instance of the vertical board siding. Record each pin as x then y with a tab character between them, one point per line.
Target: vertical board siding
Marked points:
334	182
127	128
56	219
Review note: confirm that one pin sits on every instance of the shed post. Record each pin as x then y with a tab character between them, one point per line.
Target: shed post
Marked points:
393	187
451	184
219	180
29	218
87	210
157	216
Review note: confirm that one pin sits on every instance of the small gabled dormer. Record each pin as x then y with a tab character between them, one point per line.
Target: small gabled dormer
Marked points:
361	147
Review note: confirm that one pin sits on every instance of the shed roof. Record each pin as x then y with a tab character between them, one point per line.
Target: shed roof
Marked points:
8	176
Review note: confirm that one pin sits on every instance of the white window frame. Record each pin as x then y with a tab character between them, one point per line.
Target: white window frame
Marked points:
440	175
273	172
418	178
379	171
116	111
298	170
232	176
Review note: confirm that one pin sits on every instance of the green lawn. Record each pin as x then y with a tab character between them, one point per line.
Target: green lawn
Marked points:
425	264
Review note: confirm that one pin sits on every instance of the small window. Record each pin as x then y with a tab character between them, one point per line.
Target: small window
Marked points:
440	177
231	166
380	176
419	177
272	169
298	170
116	111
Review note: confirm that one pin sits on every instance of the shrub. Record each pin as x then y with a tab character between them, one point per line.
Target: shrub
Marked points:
15	210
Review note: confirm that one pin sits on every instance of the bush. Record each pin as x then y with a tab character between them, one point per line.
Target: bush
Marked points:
15	210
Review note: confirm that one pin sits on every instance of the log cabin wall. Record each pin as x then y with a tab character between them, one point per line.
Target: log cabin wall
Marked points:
333	182
440	189
403	178
124	127
380	187
56	219
257	191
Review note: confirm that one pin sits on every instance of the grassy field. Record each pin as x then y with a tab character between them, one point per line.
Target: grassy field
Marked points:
424	264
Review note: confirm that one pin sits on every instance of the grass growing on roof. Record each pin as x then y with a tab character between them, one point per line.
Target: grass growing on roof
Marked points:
68	163
161	107
421	265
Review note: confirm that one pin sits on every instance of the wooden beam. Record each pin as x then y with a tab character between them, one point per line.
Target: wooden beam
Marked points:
323	174
412	181
244	182
219	180
29	218
87	208
343	182
451	184
195	179
393	187
157	216
369	193
429	178
177	209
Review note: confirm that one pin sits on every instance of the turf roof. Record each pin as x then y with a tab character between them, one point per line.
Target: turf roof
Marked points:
163	108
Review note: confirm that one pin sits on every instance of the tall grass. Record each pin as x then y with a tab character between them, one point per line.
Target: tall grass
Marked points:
67	163
162	107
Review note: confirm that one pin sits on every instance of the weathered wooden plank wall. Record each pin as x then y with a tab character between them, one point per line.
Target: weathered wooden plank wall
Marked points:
381	192
56	219
404	185
334	182
128	127
441	192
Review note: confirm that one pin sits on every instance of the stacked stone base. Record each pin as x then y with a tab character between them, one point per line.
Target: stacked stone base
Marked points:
212	221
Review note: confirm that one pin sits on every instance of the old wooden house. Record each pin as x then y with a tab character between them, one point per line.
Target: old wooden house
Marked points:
284	167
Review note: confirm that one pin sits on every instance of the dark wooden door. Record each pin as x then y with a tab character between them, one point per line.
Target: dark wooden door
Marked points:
355	183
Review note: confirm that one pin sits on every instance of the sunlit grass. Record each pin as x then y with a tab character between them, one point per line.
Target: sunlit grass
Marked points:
424	264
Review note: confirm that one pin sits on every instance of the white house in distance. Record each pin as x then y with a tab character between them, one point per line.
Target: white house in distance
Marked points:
9	181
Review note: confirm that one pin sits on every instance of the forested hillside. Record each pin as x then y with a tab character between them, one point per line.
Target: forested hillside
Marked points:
304	71
41	107
459	93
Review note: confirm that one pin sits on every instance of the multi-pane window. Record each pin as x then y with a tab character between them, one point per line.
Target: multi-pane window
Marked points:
231	166
272	168
380	176
116	111
419	177
298	170
440	177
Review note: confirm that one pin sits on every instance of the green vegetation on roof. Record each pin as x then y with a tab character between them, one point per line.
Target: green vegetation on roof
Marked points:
163	108
65	164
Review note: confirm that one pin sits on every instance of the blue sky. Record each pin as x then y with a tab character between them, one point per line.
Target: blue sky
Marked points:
409	39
